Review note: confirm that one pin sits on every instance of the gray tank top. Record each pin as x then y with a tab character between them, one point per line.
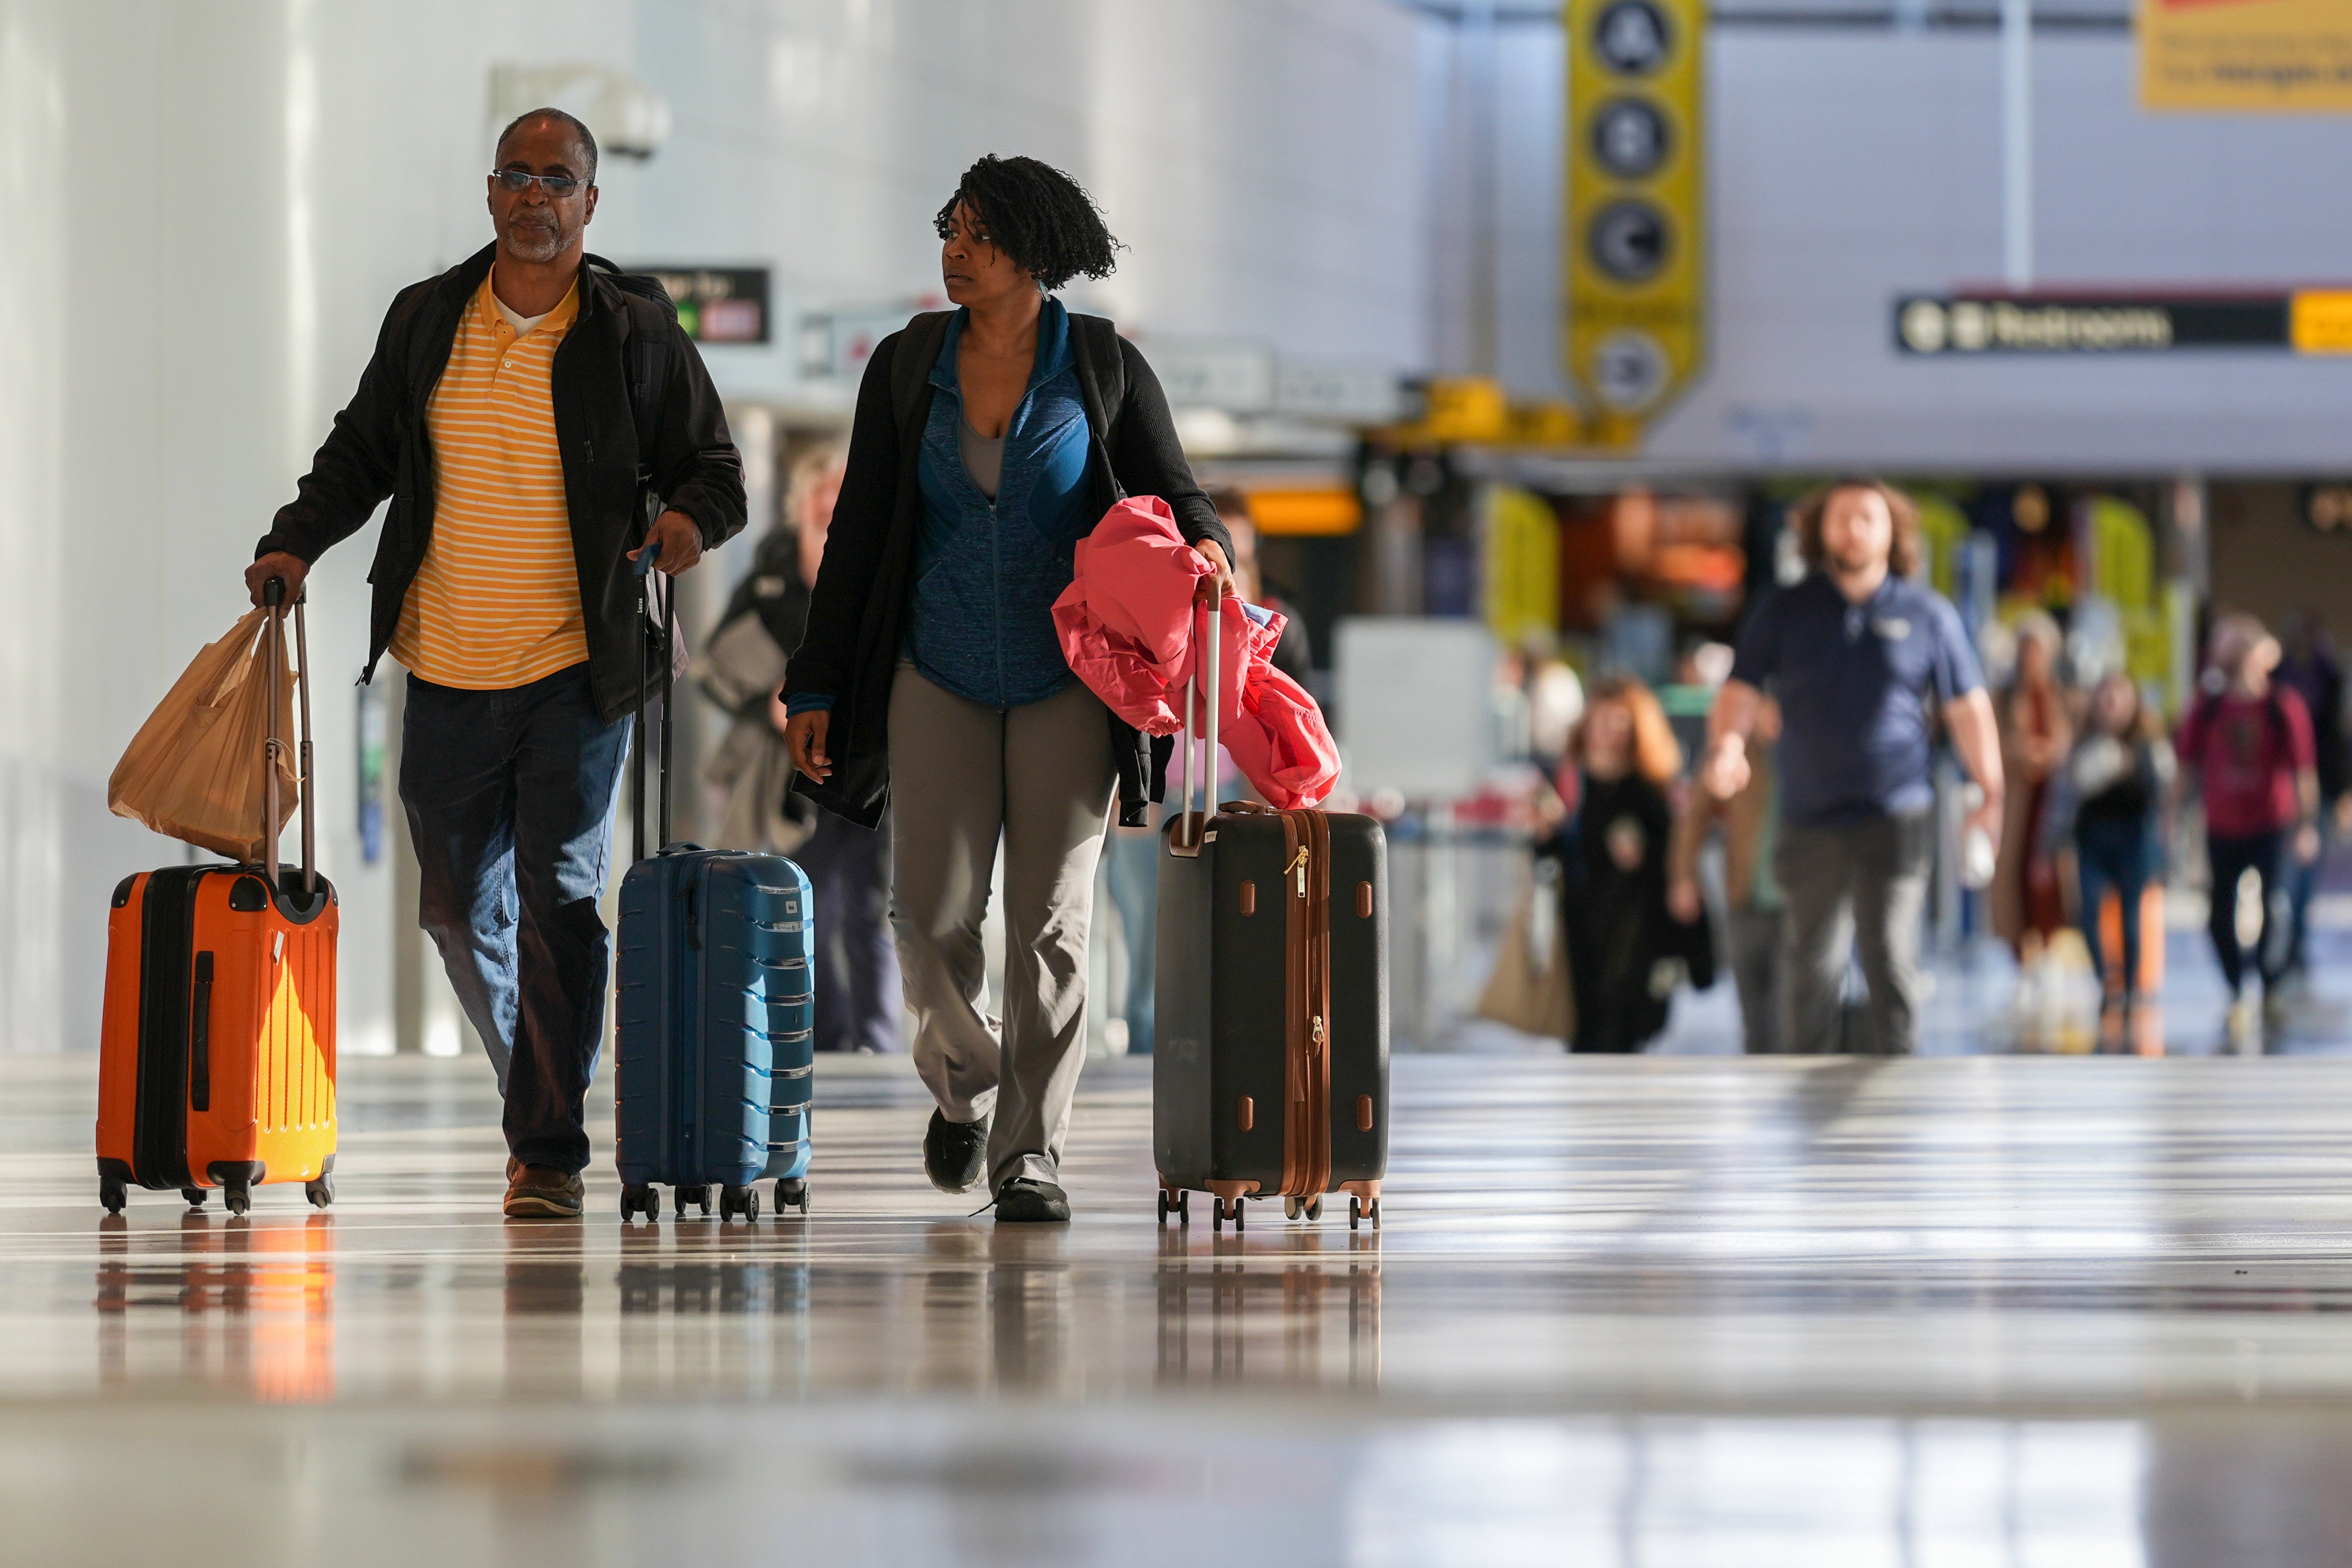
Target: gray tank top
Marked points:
983	458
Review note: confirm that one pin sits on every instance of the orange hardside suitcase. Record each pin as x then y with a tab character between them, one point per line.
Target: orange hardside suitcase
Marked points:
216	1059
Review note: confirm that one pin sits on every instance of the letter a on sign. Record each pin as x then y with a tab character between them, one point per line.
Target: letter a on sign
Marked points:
1635	271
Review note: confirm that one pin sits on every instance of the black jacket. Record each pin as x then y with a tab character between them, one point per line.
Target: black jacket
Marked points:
638	422
857	618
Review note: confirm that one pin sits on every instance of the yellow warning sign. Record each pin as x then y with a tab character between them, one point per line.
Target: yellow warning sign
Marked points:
1635	232
2277	57
2319	321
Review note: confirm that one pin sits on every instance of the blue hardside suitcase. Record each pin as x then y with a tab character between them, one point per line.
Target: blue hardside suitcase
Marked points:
714	1017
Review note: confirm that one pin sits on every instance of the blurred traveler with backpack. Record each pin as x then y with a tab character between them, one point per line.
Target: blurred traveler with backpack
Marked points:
521	411
2311	669
1863	660
2246	745
2024	899
848	866
2107	803
1623	943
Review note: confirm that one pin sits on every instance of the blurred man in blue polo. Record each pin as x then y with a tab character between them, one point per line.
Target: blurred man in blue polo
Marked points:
1863	660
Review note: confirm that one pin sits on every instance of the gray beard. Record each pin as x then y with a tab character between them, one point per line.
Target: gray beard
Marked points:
523	244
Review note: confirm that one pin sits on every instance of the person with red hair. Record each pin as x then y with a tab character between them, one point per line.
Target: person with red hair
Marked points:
1622	943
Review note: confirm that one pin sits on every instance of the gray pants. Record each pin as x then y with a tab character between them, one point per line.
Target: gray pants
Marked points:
1756	941
963	777
1859	887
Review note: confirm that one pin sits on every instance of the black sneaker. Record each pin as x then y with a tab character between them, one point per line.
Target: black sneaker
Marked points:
1028	1200
955	1154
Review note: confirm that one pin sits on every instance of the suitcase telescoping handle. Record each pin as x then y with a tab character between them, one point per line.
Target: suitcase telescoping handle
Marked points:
651	589
273	598
1191	827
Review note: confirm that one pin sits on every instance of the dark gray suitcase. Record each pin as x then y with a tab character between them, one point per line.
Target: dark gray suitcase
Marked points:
1270	1073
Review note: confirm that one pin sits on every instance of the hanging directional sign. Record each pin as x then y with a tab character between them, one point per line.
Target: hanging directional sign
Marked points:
1633	274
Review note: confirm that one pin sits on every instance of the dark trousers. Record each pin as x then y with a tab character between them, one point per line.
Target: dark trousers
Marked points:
510	797
1756	940
2302	885
1853	887
2117	852
857	999
2231	859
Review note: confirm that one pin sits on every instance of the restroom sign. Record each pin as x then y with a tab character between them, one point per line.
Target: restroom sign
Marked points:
1633	274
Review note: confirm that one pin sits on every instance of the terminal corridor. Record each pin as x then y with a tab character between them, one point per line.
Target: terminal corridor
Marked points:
2034	1309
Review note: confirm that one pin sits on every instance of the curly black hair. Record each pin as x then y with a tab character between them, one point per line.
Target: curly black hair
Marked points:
1039	216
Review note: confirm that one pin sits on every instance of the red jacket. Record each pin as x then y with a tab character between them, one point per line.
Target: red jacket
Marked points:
1126	625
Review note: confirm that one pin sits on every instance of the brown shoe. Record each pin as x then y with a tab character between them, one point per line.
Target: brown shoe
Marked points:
542	1192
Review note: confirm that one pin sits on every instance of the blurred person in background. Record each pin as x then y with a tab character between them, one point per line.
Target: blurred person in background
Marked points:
2245	745
932	678
1754	911
1863	660
2024	901
849	865
2309	667
503	585
1622	943
2106	804
1291	655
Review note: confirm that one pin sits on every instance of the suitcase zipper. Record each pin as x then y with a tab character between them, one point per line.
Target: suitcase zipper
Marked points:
1298	864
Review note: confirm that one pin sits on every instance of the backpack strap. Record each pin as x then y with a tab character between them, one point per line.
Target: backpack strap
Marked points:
1102	384
920	342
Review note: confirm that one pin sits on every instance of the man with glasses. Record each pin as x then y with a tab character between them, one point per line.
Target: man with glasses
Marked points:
524	411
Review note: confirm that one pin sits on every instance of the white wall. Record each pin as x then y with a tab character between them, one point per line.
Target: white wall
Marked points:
1849	167
207	208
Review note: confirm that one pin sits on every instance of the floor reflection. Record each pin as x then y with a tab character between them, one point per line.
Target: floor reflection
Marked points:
239	1305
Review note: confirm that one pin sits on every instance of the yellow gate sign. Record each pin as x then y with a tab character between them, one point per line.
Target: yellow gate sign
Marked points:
2278	57
1636	230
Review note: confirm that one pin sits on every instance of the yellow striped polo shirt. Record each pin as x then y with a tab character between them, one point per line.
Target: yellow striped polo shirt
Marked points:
496	603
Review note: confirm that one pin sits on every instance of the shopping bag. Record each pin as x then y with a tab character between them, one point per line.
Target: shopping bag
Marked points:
1529	988
197	768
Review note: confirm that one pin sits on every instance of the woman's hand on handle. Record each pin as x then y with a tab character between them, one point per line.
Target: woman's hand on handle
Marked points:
804	737
1219	584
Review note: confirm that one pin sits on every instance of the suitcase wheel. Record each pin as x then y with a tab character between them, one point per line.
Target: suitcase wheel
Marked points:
321	1193
1296	1207
792	1193
640	1199
1314	1206
1218	1217
681	1196
112	1194
196	1196
743	1201
236	1198
1358	1213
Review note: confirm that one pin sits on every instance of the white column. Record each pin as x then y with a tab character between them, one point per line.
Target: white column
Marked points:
2017	141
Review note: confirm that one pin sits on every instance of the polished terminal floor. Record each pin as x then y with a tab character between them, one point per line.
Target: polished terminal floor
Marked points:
1994	1310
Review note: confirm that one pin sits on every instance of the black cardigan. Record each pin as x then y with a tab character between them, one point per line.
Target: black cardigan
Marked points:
636	415
856	618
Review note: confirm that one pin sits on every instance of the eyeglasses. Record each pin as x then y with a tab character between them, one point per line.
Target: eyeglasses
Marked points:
556	185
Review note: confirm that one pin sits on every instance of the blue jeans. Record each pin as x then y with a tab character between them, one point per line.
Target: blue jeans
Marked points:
2119	853
511	798
2231	858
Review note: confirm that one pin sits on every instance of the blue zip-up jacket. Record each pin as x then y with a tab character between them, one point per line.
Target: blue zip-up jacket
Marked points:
987	573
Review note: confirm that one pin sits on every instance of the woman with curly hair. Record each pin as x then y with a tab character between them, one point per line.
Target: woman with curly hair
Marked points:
1622	943
988	441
